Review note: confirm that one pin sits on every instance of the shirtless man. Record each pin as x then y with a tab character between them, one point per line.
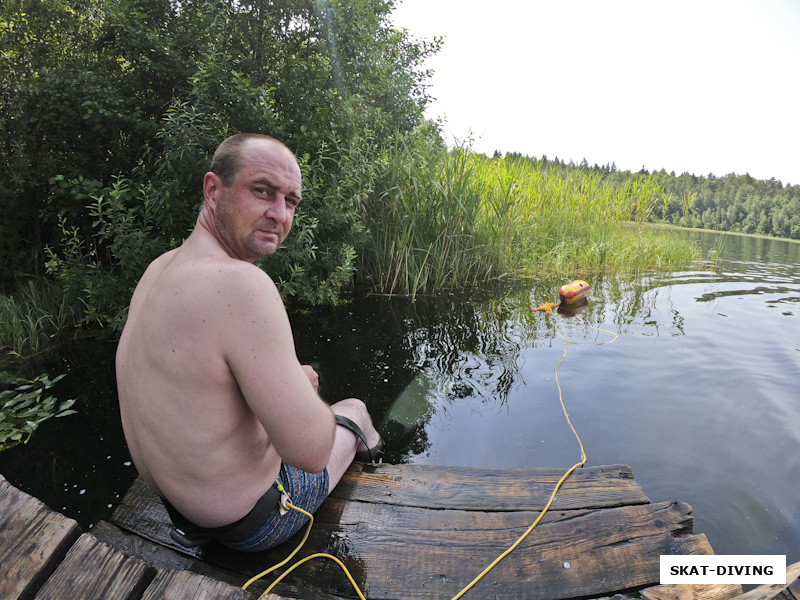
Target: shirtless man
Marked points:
214	402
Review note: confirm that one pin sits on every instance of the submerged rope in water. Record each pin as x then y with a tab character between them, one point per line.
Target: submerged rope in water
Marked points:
494	563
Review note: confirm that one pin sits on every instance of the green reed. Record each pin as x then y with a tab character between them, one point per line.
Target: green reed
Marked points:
30	318
445	219
422	221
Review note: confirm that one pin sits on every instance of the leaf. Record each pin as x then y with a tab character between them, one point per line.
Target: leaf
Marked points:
26	410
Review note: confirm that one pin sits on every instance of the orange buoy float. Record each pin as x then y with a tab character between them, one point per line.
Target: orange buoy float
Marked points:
572	296
573	291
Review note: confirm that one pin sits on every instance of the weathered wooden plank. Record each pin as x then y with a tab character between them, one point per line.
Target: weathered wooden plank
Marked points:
404	531
468	488
95	570
148	551
393	528
717	591
142	512
33	540
336	511
607	551
161	557
426	486
792	592
770	591
237	564
151	552
183	585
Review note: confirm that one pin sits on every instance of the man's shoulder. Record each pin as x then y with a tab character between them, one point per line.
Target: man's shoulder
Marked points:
233	272
237	300
203	276
212	264
236	283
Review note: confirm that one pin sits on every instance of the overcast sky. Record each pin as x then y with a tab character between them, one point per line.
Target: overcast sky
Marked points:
704	86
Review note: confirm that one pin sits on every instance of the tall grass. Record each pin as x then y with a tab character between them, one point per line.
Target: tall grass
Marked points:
572	222
445	219
423	221
31	317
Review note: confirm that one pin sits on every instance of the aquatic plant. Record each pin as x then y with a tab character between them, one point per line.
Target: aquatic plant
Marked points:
31	317
24	406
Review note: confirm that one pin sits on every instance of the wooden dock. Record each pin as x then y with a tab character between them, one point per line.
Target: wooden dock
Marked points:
403	531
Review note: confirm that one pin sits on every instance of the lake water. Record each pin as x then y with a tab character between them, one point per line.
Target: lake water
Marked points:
698	392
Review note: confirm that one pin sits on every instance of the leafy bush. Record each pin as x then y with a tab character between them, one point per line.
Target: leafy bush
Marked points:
98	271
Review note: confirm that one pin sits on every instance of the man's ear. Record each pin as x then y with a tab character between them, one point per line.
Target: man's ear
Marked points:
211	188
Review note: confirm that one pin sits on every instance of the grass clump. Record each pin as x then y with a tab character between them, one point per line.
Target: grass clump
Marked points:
32	317
423	220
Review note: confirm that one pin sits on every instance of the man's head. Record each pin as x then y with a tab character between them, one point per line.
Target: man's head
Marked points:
250	195
227	158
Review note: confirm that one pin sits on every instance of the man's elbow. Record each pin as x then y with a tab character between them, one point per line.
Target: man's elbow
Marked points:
314	462
316	457
312	450
318	466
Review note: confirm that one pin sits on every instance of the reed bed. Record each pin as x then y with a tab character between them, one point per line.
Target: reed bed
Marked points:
444	219
423	222
33	316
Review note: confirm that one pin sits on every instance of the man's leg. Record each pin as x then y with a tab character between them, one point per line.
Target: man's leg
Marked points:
313	376
346	442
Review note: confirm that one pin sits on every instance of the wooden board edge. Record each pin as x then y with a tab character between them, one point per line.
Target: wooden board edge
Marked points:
770	591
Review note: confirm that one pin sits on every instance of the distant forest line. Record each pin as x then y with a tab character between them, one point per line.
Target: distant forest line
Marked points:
736	203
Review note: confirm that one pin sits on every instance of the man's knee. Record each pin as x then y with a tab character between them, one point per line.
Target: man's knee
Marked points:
353	408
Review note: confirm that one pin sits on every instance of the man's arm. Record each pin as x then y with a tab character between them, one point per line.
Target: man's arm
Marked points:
259	348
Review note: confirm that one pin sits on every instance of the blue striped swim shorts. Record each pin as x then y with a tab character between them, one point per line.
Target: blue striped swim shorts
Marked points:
306	490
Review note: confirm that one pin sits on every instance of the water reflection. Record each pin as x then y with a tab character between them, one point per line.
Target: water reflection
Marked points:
78	465
428	356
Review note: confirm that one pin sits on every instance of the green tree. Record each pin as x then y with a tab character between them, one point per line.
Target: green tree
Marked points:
111	110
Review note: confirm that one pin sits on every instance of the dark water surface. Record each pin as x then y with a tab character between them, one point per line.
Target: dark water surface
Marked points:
699	393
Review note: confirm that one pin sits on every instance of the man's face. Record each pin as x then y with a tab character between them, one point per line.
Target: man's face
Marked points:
254	215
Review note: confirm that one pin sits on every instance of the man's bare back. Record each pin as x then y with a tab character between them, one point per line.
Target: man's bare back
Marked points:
212	396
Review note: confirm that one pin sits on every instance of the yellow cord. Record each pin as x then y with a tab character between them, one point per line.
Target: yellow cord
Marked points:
288	558
496	560
300	562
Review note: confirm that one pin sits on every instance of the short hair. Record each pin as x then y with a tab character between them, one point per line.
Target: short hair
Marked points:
227	158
